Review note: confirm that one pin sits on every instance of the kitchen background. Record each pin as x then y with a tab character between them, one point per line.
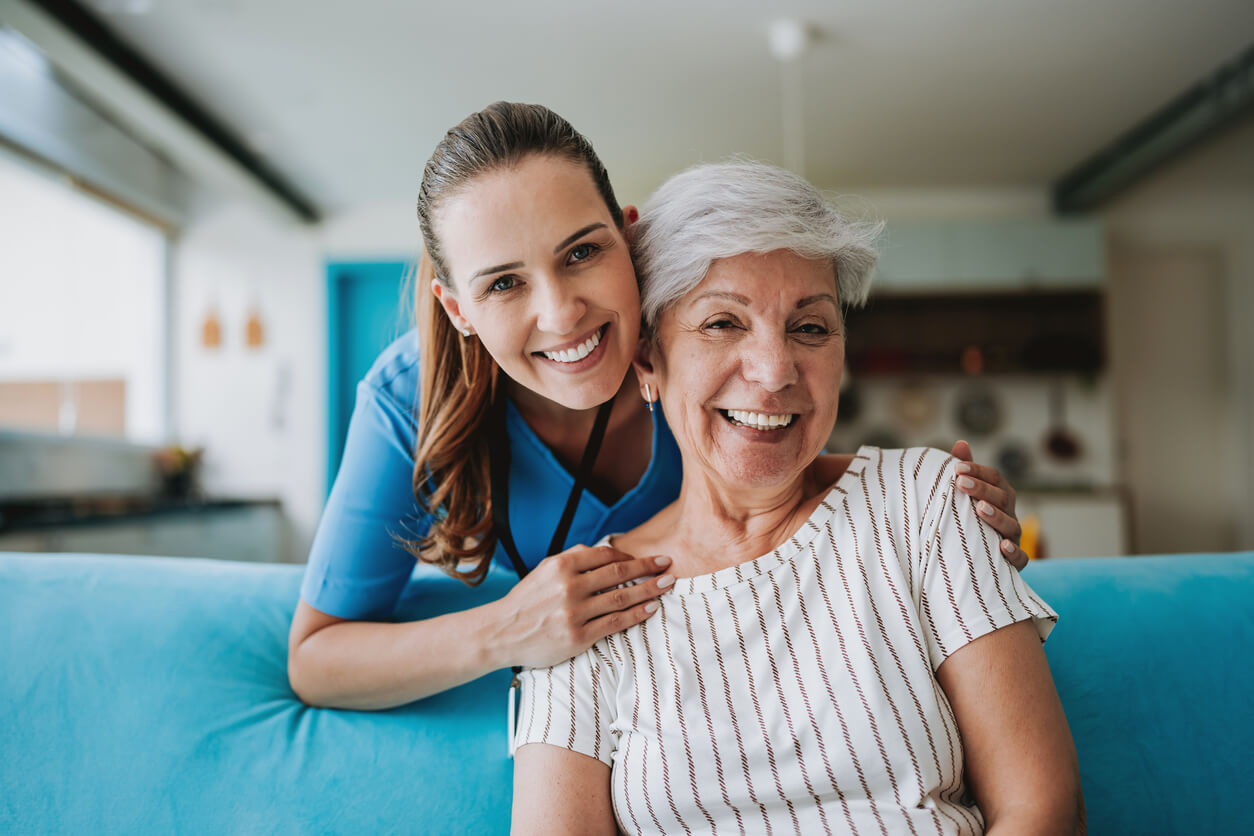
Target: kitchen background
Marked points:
206	209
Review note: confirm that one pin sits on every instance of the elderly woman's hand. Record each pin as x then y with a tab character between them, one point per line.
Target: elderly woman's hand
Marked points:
995	501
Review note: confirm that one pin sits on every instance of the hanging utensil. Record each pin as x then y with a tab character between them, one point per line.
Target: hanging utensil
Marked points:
978	411
1060	442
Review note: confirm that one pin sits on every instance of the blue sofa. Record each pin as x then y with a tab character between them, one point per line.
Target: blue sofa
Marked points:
150	695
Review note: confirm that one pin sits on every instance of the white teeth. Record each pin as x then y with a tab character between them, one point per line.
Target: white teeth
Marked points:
759	420
571	355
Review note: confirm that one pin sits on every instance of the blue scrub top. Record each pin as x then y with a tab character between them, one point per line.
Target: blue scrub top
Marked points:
357	569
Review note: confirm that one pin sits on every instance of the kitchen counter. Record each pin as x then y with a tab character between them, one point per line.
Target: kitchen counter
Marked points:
227	528
43	514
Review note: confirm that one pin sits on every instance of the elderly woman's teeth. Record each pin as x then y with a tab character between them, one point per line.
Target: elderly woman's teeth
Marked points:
579	352
758	420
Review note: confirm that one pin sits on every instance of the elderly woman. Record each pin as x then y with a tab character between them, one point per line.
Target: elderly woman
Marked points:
844	649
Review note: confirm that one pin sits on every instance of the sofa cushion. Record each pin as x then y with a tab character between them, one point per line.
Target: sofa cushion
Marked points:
1151	657
150	695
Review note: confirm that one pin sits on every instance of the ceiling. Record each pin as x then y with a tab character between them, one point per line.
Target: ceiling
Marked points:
347	99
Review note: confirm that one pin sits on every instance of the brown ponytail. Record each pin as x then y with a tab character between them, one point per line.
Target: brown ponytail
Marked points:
460	380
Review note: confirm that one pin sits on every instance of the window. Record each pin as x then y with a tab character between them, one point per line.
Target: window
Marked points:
82	311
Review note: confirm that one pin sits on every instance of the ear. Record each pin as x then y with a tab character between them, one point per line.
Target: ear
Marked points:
630	215
645	363
448	300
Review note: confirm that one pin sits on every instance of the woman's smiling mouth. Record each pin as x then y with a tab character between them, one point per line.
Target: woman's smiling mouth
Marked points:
757	420
580	355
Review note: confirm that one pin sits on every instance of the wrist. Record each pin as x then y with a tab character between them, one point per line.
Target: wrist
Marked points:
496	649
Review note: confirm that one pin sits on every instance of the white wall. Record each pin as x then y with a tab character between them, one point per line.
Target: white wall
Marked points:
1198	211
260	413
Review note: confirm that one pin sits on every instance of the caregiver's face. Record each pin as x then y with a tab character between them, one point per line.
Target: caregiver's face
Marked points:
748	365
543	276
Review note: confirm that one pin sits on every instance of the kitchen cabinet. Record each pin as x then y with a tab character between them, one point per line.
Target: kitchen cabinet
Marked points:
1001	254
251	532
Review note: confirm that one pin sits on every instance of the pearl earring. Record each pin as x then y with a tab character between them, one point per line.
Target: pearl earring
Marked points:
648	397
465	332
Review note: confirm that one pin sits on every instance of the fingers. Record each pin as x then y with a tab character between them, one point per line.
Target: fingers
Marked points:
1018	557
1004	524
607	625
625	597
583	559
978	490
982	472
961	451
621	571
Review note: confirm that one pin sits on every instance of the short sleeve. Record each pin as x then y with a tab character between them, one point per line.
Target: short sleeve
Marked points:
968	588
568	705
356	568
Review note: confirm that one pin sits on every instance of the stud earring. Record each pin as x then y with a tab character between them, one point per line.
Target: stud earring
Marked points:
465	332
648	397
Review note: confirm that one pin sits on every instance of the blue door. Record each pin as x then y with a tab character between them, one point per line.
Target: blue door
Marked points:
368	307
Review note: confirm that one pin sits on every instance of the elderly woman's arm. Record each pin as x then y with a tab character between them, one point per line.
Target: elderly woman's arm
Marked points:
1020	760
557	791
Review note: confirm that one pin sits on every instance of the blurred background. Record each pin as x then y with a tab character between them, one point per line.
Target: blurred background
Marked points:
207	211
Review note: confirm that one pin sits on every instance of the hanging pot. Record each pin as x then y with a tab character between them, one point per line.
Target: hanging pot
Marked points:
978	411
915	406
1014	461
1060	442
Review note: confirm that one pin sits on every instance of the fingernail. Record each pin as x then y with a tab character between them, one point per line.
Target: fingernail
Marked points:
966	482
651	606
962	467
984	508
665	581
1008	547
662	561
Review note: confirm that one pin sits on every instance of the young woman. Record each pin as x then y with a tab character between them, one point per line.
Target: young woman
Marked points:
488	449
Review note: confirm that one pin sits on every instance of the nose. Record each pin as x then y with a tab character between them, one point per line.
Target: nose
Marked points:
768	361
559	307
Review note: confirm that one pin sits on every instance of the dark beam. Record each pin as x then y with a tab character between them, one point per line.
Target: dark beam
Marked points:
1206	109
95	34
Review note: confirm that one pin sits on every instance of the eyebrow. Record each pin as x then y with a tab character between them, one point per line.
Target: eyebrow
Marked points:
741	300
570	239
514	265
821	297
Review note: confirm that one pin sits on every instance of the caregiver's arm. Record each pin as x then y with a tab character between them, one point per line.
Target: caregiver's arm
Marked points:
566	603
557	791
1020	761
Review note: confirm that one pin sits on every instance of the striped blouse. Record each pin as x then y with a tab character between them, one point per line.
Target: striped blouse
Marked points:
795	693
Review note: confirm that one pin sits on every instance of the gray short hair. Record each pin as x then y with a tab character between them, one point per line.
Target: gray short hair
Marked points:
721	210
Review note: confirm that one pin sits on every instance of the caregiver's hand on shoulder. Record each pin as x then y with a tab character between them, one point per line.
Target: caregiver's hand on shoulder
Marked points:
570	601
994	501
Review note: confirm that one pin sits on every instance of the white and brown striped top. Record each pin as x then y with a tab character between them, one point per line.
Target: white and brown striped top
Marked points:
795	693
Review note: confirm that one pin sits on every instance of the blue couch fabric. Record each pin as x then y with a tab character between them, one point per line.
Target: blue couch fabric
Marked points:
150	695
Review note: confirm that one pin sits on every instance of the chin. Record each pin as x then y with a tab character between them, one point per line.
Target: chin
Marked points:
590	395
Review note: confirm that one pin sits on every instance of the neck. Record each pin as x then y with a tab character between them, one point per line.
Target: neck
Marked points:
718	525
625	450
555	423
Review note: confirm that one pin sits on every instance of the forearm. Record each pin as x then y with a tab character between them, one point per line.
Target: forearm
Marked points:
369	666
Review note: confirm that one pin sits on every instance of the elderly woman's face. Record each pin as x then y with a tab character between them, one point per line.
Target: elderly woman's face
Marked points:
747	366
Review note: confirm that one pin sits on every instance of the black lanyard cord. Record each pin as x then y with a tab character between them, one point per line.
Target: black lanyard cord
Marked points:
499	472
499	469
